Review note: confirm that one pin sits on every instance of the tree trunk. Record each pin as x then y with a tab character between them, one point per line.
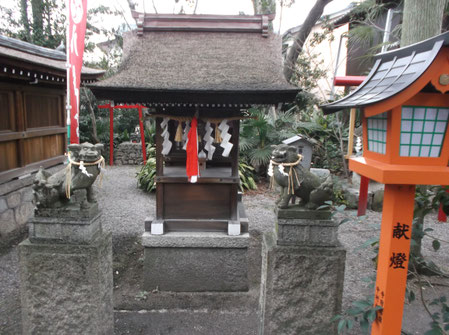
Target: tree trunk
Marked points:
264	6
300	37
37	7
24	19
421	20
92	115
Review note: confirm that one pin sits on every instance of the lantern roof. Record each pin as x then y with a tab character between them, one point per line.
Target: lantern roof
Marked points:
392	73
216	59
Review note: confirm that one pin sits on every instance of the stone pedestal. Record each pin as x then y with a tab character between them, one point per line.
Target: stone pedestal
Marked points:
303	286
66	278
195	262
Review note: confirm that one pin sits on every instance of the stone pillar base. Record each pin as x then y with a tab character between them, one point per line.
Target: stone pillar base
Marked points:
303	285
195	262
67	288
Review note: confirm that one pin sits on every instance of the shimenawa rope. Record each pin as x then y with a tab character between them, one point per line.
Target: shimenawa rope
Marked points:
82	166
291	185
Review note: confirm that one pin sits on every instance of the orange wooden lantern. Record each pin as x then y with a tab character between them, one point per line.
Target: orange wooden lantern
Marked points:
405	115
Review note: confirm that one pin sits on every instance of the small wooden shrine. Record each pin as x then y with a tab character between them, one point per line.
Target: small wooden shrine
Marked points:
203	71
405	108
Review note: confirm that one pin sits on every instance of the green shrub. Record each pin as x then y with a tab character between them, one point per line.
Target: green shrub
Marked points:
147	174
246	173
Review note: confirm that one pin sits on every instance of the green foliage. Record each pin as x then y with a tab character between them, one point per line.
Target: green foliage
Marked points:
150	133
324	130
247	176
43	22
362	311
146	175
440	322
262	130
40	22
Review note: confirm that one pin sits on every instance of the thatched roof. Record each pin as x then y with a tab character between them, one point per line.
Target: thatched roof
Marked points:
16	56
192	61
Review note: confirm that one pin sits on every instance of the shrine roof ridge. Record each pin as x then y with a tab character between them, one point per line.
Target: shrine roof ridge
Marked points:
202	23
392	72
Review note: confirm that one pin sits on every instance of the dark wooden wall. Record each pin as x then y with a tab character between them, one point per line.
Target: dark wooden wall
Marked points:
32	128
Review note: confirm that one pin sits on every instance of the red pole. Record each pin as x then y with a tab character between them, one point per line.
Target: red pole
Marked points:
111	135
349	80
142	136
363	196
441	215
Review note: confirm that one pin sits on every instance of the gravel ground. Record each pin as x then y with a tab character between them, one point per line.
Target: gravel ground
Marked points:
125	208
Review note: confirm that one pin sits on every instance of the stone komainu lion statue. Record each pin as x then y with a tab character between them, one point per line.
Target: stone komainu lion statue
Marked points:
51	190
312	190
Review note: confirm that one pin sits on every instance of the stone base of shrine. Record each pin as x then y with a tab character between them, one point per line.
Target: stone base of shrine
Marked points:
196	262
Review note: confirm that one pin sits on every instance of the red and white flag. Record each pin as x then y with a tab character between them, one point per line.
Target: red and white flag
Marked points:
75	50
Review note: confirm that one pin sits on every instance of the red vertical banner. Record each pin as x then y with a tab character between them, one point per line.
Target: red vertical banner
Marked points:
76	34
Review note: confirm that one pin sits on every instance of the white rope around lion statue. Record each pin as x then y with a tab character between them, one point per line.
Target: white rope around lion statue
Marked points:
289	175
82	166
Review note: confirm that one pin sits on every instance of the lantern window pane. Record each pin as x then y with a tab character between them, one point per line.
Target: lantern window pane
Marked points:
440	127
425	150
417	126
427	139
414	151
437	139
416	139
429	126
404	150
422	131
405	138
377	133
431	114
435	152
443	114
406	125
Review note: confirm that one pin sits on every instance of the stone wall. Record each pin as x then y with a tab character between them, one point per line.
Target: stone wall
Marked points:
128	153
16	206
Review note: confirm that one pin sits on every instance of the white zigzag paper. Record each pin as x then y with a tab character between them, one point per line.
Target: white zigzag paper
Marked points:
225	137
185	139
166	144
209	147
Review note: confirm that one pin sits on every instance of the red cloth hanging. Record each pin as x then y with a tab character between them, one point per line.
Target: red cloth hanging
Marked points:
192	167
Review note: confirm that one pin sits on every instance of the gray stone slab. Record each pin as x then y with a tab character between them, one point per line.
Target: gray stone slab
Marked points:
59	230
67	289
186	322
299	212
196	262
195	240
307	232
302	290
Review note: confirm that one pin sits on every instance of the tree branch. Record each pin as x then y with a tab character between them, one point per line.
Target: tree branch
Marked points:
300	37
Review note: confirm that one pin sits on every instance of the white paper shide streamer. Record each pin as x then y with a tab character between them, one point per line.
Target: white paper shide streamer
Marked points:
184	135
225	137
209	141
166	144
